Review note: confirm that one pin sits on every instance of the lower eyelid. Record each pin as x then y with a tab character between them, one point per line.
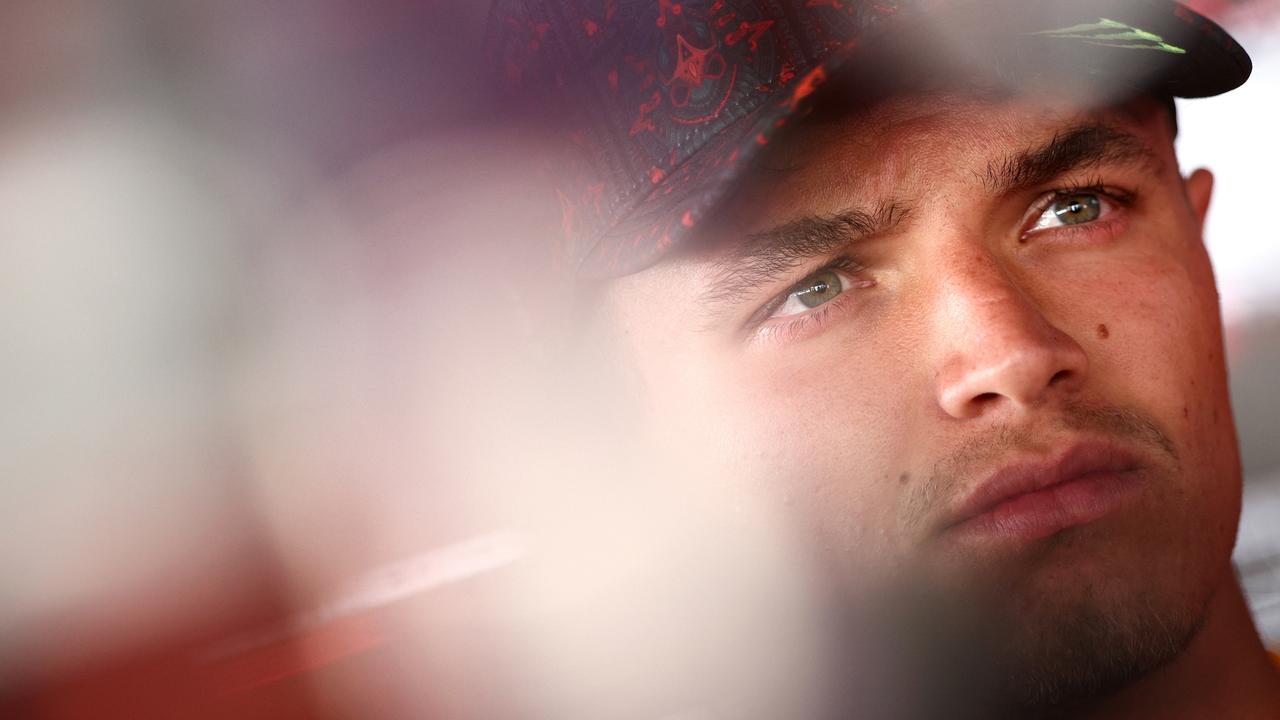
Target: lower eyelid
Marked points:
1111	225
788	329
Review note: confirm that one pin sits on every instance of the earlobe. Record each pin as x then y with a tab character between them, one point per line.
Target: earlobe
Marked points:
1199	189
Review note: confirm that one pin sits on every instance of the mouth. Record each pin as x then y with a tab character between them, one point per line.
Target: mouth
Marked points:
1037	498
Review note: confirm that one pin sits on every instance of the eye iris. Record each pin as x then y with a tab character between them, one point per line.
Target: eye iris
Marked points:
1076	209
819	288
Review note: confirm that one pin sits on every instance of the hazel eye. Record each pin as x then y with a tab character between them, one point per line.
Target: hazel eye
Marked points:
818	289
1077	209
1074	209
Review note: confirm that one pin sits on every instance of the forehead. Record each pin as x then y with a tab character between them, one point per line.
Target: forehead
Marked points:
912	145
982	115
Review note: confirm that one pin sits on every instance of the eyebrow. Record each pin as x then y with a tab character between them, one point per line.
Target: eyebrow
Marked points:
761	258
1075	148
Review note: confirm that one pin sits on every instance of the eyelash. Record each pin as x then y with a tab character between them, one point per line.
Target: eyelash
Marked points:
796	326
792	327
1096	186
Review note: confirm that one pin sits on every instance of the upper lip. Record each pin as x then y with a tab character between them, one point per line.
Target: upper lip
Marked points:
1021	478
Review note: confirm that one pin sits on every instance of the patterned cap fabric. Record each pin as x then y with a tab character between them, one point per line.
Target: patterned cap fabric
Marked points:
664	101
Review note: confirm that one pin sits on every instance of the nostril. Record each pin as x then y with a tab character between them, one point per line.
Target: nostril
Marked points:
1059	377
985	398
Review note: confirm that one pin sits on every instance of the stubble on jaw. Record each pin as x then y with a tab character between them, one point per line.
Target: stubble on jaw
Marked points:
1092	648
1026	653
927	652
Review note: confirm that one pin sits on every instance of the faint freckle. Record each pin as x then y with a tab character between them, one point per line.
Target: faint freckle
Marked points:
1184	411
1103	332
904	477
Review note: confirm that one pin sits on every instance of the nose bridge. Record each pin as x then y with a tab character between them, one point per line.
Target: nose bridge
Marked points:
998	348
980	294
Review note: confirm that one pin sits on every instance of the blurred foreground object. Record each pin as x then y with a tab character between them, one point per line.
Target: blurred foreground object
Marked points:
275	350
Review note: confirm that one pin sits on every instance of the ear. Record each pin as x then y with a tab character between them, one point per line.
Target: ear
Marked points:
1199	189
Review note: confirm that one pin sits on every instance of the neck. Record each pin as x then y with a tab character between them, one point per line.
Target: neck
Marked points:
1224	672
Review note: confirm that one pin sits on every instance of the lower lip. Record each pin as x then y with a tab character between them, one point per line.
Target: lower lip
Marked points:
1045	512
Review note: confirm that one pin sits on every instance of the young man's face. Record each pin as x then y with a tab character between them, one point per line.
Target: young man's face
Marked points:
910	318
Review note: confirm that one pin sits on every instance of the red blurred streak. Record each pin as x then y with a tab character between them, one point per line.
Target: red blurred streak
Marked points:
1233	13
326	645
1210	8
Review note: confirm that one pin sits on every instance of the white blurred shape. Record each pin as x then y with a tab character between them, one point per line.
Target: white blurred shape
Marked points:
114	292
1234	135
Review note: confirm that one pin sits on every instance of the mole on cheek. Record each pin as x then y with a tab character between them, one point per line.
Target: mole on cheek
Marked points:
1103	332
904	477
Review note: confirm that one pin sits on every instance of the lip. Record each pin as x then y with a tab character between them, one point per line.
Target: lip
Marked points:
1037	498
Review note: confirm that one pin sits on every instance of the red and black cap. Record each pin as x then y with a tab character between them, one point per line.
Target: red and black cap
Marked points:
664	101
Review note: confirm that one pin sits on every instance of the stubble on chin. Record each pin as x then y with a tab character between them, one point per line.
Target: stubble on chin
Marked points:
1083	646
1031	647
993	649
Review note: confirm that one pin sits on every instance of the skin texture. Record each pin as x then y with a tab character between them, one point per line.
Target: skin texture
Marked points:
962	343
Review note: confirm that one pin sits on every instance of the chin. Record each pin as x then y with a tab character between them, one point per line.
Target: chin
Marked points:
1093	642
1092	609
1099	618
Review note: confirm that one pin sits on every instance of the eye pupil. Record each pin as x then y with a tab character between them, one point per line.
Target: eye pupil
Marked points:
1077	209
819	289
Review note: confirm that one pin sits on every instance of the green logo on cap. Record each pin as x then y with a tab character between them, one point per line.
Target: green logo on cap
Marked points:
1110	33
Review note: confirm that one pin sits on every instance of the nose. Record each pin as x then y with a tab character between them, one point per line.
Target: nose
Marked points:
999	353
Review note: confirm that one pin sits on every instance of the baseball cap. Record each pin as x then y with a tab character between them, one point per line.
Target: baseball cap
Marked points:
665	102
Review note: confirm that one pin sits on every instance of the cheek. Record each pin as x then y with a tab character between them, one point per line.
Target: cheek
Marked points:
821	435
1162	353
1162	339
